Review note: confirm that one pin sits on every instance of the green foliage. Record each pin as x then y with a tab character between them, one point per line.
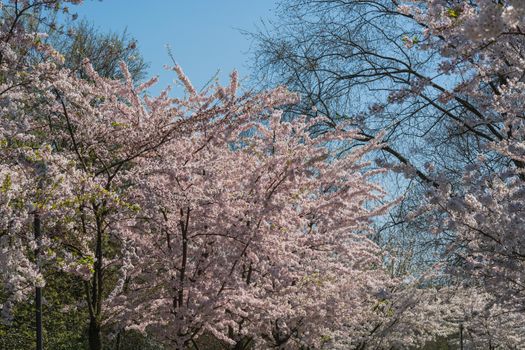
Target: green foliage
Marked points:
413	41
441	344
64	321
119	125
132	340
104	50
6	184
453	13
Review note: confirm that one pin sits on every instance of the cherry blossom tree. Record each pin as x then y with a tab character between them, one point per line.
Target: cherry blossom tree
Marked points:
213	215
32	174
440	314
71	147
255	232
483	209
410	68
446	80
81	137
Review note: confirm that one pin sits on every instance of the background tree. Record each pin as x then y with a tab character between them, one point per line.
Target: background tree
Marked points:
104	50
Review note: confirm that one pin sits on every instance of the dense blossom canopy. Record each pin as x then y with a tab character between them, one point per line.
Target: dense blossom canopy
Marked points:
213	216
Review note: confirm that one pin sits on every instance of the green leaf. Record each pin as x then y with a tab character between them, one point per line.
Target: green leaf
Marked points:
6	184
453	13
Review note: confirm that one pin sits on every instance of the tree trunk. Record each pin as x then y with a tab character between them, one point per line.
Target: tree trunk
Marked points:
95	341
38	291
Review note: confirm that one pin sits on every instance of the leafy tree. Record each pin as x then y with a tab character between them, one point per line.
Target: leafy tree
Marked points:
104	50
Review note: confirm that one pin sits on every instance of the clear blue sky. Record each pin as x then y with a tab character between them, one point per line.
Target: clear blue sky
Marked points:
203	34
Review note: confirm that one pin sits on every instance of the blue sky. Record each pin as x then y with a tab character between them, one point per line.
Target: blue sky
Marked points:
203	34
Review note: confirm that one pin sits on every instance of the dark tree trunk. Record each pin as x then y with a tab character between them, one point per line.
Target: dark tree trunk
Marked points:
38	292
95	340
